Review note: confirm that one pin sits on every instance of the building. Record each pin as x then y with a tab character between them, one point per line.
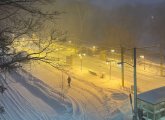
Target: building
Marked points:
152	104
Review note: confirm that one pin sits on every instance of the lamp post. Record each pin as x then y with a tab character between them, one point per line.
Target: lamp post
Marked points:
94	50
135	86
143	58
122	66
112	51
109	63
112	55
81	59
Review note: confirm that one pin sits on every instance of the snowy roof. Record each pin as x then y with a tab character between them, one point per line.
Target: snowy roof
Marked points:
154	96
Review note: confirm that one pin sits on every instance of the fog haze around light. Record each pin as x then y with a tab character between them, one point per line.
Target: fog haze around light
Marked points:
114	22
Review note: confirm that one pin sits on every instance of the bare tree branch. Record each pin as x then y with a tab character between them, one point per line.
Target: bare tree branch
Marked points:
23	18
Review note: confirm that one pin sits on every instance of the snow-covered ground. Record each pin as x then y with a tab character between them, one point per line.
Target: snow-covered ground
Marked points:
90	101
41	92
46	96
27	98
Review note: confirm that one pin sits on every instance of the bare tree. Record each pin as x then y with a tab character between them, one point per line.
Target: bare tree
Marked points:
20	21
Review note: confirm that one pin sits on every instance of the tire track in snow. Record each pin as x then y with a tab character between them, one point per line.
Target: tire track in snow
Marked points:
85	102
107	102
38	93
80	107
21	111
26	111
27	106
79	104
15	105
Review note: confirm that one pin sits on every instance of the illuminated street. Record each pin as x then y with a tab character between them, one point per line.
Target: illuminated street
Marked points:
90	96
82	60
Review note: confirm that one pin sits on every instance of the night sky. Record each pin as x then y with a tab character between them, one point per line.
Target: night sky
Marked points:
114	3
112	22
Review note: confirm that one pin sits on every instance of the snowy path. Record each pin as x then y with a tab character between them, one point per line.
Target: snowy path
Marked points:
146	79
89	101
45	95
31	99
40	97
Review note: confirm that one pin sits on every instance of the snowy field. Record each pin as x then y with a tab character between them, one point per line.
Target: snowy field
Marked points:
41	92
28	97
31	99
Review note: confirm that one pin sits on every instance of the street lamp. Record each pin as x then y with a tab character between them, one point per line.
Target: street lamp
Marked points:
112	51
143	58
110	68
93	49
81	55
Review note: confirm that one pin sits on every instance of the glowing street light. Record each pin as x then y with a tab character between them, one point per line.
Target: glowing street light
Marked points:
119	65
69	41
84	54
142	57
112	51
110	67
81	58
93	49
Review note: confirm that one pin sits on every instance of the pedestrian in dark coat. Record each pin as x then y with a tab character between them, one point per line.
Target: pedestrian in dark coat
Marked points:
69	81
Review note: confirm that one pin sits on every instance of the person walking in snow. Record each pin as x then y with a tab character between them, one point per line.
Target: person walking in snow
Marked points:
69	81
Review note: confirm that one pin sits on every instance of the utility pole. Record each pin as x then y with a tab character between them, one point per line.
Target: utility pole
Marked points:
161	61
110	67
122	66
81	59
62	85
135	77
81	63
161	65
135	86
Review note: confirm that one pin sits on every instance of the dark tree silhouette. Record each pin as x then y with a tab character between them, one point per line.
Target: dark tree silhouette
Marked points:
21	21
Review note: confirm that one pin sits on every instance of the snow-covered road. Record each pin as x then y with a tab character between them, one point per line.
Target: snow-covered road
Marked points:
46	96
89	101
42	93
